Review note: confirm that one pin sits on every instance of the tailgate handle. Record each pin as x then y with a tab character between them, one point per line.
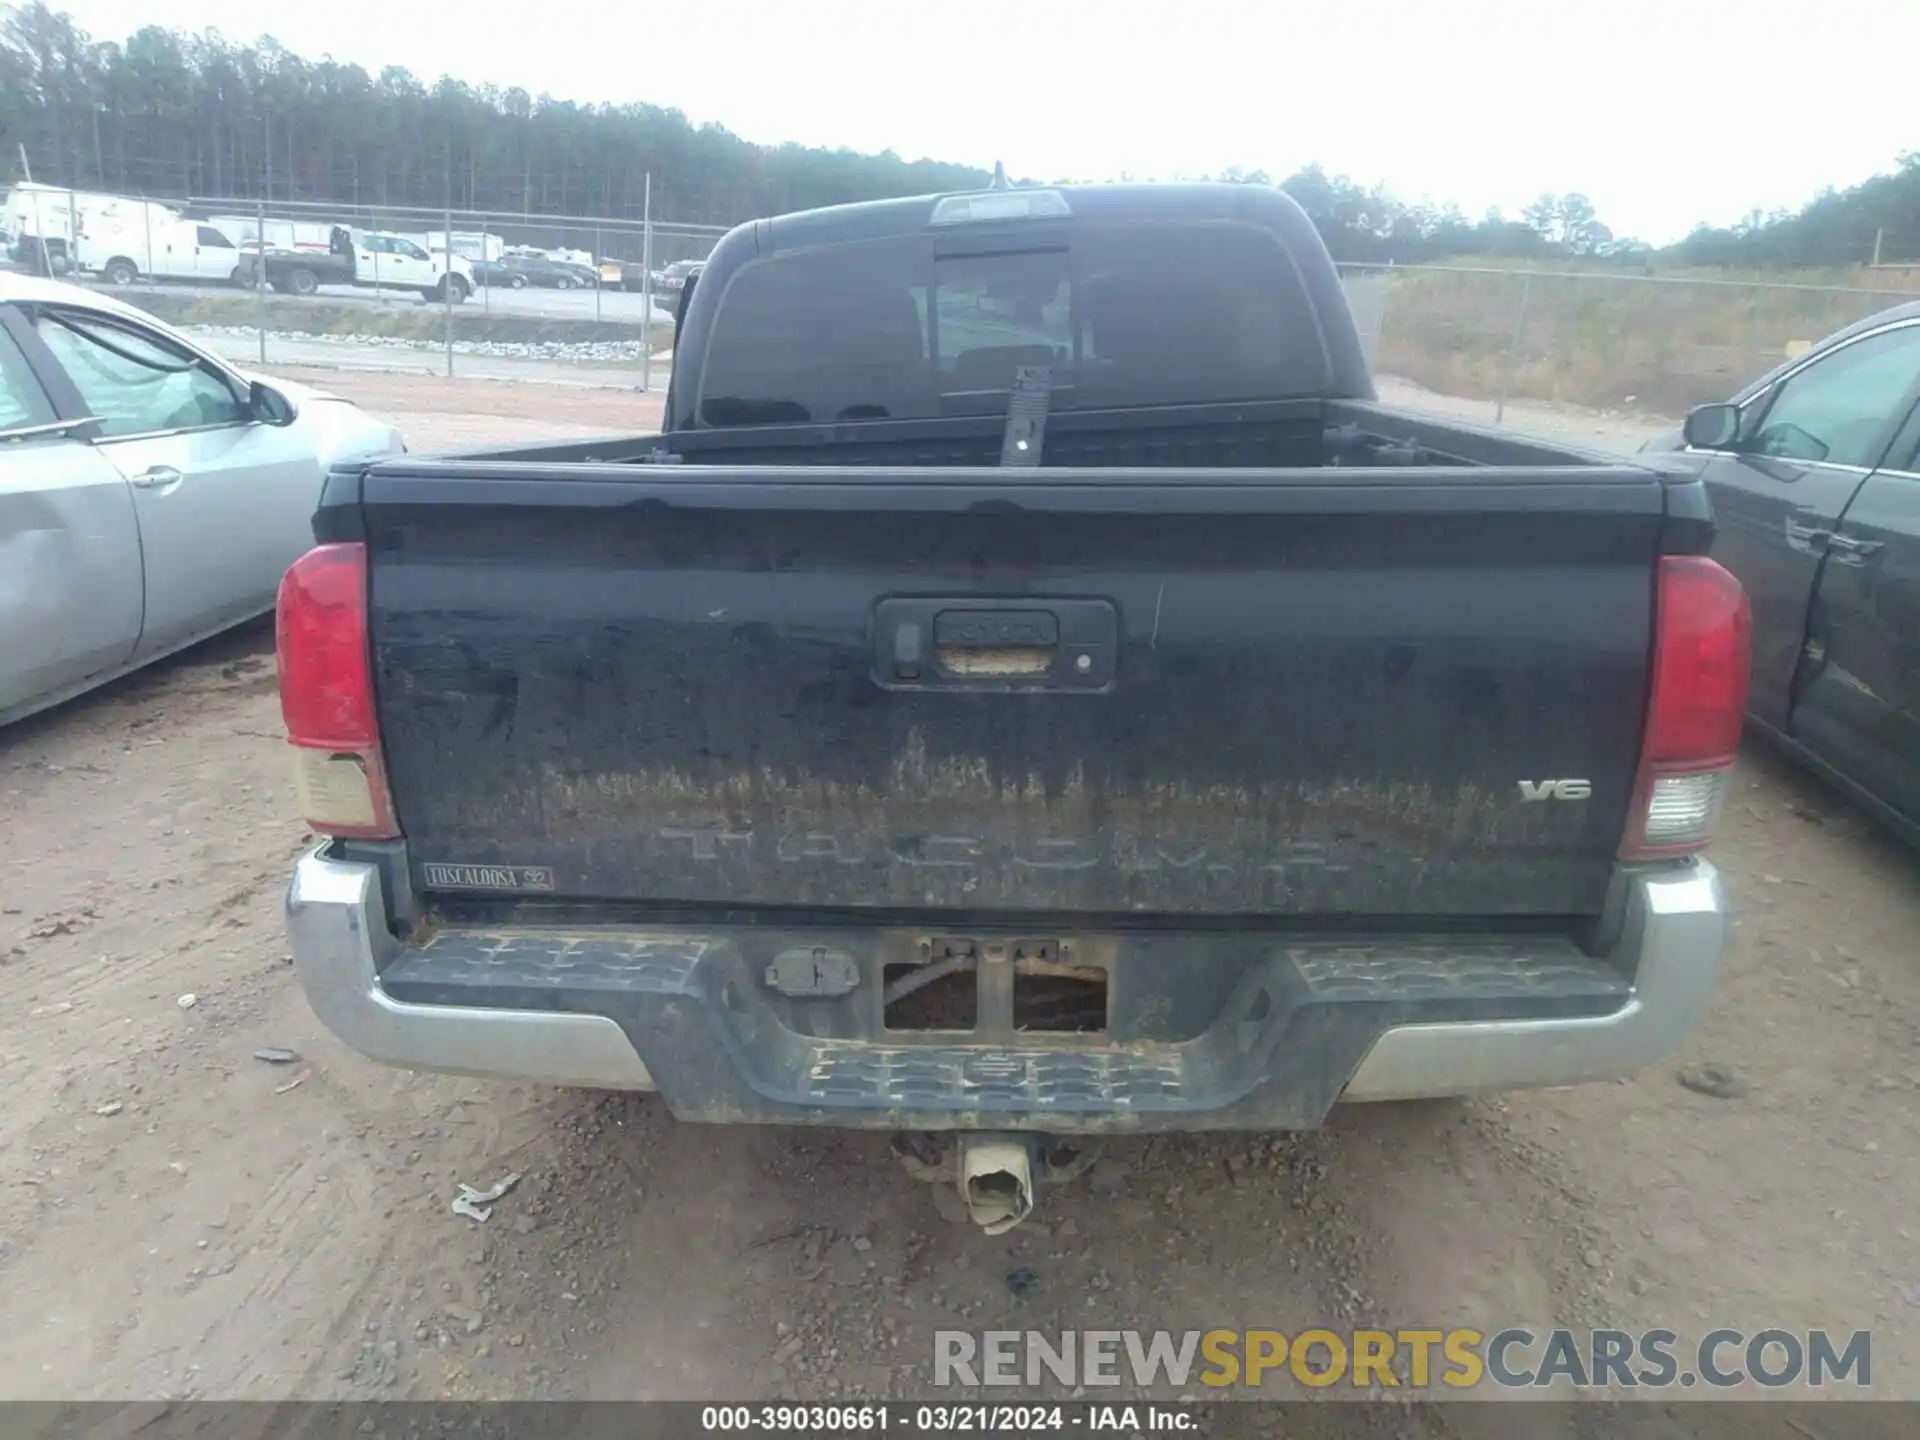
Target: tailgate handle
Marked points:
995	644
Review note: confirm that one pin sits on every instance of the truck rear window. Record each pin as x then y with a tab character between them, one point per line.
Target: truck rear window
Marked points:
1127	316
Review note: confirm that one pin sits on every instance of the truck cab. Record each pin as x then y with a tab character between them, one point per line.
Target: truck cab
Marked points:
387	260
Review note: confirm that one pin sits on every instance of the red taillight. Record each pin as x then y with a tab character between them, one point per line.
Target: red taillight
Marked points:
1700	658
1702	647
326	688
326	693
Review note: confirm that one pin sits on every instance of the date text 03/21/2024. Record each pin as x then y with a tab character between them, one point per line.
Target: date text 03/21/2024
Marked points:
946	1419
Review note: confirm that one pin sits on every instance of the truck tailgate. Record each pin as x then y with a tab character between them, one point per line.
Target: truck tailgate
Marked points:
1095	692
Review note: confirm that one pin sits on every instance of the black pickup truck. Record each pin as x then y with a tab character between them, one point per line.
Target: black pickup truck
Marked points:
1030	687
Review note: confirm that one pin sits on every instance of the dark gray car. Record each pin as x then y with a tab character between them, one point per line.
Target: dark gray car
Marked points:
547	272
1814	472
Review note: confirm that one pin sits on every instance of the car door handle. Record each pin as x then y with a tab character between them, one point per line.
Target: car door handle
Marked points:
1807	539
159	477
1848	551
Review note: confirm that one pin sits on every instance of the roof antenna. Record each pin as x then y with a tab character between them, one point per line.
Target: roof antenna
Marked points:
999	177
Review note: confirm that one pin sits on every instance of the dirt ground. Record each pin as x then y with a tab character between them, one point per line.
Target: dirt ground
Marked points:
181	1219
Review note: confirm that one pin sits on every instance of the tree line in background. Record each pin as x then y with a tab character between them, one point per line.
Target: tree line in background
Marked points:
173	114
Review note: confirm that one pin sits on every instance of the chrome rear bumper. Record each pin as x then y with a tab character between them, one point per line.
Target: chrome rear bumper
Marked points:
1675	930
337	916
1670	945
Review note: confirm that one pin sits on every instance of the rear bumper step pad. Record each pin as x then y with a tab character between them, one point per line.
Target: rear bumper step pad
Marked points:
1204	1032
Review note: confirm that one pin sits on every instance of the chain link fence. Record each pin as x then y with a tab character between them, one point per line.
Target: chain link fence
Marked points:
1897	248
573	299
589	300
1653	345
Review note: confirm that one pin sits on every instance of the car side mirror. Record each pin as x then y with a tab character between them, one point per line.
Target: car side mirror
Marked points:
1712	427
268	405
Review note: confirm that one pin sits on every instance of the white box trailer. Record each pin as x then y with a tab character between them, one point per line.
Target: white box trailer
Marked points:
467	244
121	237
559	252
39	220
314	237
55	212
46	212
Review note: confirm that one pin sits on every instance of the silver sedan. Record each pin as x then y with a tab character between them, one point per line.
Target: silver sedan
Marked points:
151	494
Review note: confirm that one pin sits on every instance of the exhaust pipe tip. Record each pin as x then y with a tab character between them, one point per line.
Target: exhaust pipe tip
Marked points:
996	1181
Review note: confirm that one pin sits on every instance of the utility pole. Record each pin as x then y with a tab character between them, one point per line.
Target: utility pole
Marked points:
260	274
446	239
446	275
646	286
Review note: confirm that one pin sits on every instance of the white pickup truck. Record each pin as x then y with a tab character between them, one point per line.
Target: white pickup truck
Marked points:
371	259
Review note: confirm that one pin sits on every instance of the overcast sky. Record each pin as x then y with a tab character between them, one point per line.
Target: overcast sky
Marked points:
1664	112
